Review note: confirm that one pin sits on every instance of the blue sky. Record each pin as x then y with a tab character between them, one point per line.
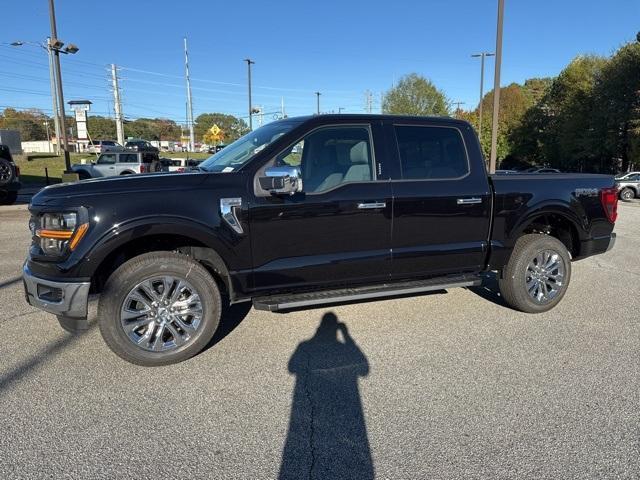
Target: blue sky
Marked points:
340	48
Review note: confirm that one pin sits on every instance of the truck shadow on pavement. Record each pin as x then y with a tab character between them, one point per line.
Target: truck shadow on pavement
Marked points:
232	316
489	289
11	281
54	348
327	435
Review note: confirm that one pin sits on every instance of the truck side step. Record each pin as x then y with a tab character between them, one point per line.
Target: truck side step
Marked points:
275	303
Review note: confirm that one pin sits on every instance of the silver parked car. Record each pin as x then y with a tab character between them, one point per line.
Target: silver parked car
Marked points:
629	186
118	163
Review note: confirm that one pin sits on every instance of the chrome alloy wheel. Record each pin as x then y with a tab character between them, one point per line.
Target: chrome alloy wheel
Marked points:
5	172
544	276
161	313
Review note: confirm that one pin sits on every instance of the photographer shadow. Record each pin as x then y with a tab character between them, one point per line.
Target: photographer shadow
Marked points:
327	435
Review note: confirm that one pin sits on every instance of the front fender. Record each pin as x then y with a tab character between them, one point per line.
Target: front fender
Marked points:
216	236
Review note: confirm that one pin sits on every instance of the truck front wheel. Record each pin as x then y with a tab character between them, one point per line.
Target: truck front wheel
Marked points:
537	274
159	308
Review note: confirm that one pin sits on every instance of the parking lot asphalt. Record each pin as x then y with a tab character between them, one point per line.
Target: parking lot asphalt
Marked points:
446	385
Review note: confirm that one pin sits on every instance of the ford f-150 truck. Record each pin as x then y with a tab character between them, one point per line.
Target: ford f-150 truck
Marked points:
306	211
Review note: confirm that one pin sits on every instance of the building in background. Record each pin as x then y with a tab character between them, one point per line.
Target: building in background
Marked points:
11	138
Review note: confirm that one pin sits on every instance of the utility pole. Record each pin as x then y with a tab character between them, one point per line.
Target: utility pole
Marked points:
496	89
282	113
457	104
368	98
482	57
249	63
117	105
318	102
54	96
63	124
192	137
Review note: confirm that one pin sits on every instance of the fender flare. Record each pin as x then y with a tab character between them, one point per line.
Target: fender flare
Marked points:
561	210
208	237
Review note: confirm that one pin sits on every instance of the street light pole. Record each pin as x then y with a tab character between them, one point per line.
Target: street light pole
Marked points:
46	125
54	96
318	102
52	83
482	57
63	126
249	63
496	89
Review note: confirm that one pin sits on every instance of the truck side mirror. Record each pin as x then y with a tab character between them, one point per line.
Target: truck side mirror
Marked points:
281	180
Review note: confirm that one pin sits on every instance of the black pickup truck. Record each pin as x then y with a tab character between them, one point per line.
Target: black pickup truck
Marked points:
9	177
306	211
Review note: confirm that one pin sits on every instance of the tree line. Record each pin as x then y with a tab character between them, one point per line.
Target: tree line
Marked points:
32	125
587	119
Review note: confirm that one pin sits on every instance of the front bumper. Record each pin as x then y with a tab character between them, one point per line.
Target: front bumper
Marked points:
65	299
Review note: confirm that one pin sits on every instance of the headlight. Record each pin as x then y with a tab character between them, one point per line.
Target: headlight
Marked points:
58	231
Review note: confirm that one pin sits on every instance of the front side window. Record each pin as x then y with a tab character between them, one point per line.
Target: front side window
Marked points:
107	159
331	156
431	153
240	152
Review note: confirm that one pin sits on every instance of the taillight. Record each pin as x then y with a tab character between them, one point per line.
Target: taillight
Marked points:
180	170
609	199
143	168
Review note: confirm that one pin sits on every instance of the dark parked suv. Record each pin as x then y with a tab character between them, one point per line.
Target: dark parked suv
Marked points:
9	177
307	211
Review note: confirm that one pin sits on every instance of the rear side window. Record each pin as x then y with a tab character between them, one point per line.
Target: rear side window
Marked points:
431	153
128	158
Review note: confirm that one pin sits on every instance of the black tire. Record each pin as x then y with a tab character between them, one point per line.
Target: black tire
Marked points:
82	175
7	172
514	278
147	266
627	194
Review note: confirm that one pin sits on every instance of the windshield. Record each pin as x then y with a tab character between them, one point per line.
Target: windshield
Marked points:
235	155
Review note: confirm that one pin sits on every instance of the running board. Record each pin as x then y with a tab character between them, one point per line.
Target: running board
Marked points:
275	303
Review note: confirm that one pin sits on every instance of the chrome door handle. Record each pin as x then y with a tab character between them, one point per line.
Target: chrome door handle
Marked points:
469	201
372	205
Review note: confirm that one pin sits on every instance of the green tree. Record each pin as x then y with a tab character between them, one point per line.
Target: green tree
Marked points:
514	101
557	129
30	123
415	95
616	118
233	127
101	128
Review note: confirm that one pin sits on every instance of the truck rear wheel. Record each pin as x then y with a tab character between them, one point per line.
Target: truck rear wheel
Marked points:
537	274
159	308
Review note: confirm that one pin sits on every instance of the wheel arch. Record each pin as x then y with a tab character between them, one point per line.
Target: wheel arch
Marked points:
111	254
557	223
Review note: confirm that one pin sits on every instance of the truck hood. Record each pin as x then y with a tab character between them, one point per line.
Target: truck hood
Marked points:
161	183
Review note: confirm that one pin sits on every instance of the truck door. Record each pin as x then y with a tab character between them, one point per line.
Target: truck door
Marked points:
442	200
338	230
105	166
